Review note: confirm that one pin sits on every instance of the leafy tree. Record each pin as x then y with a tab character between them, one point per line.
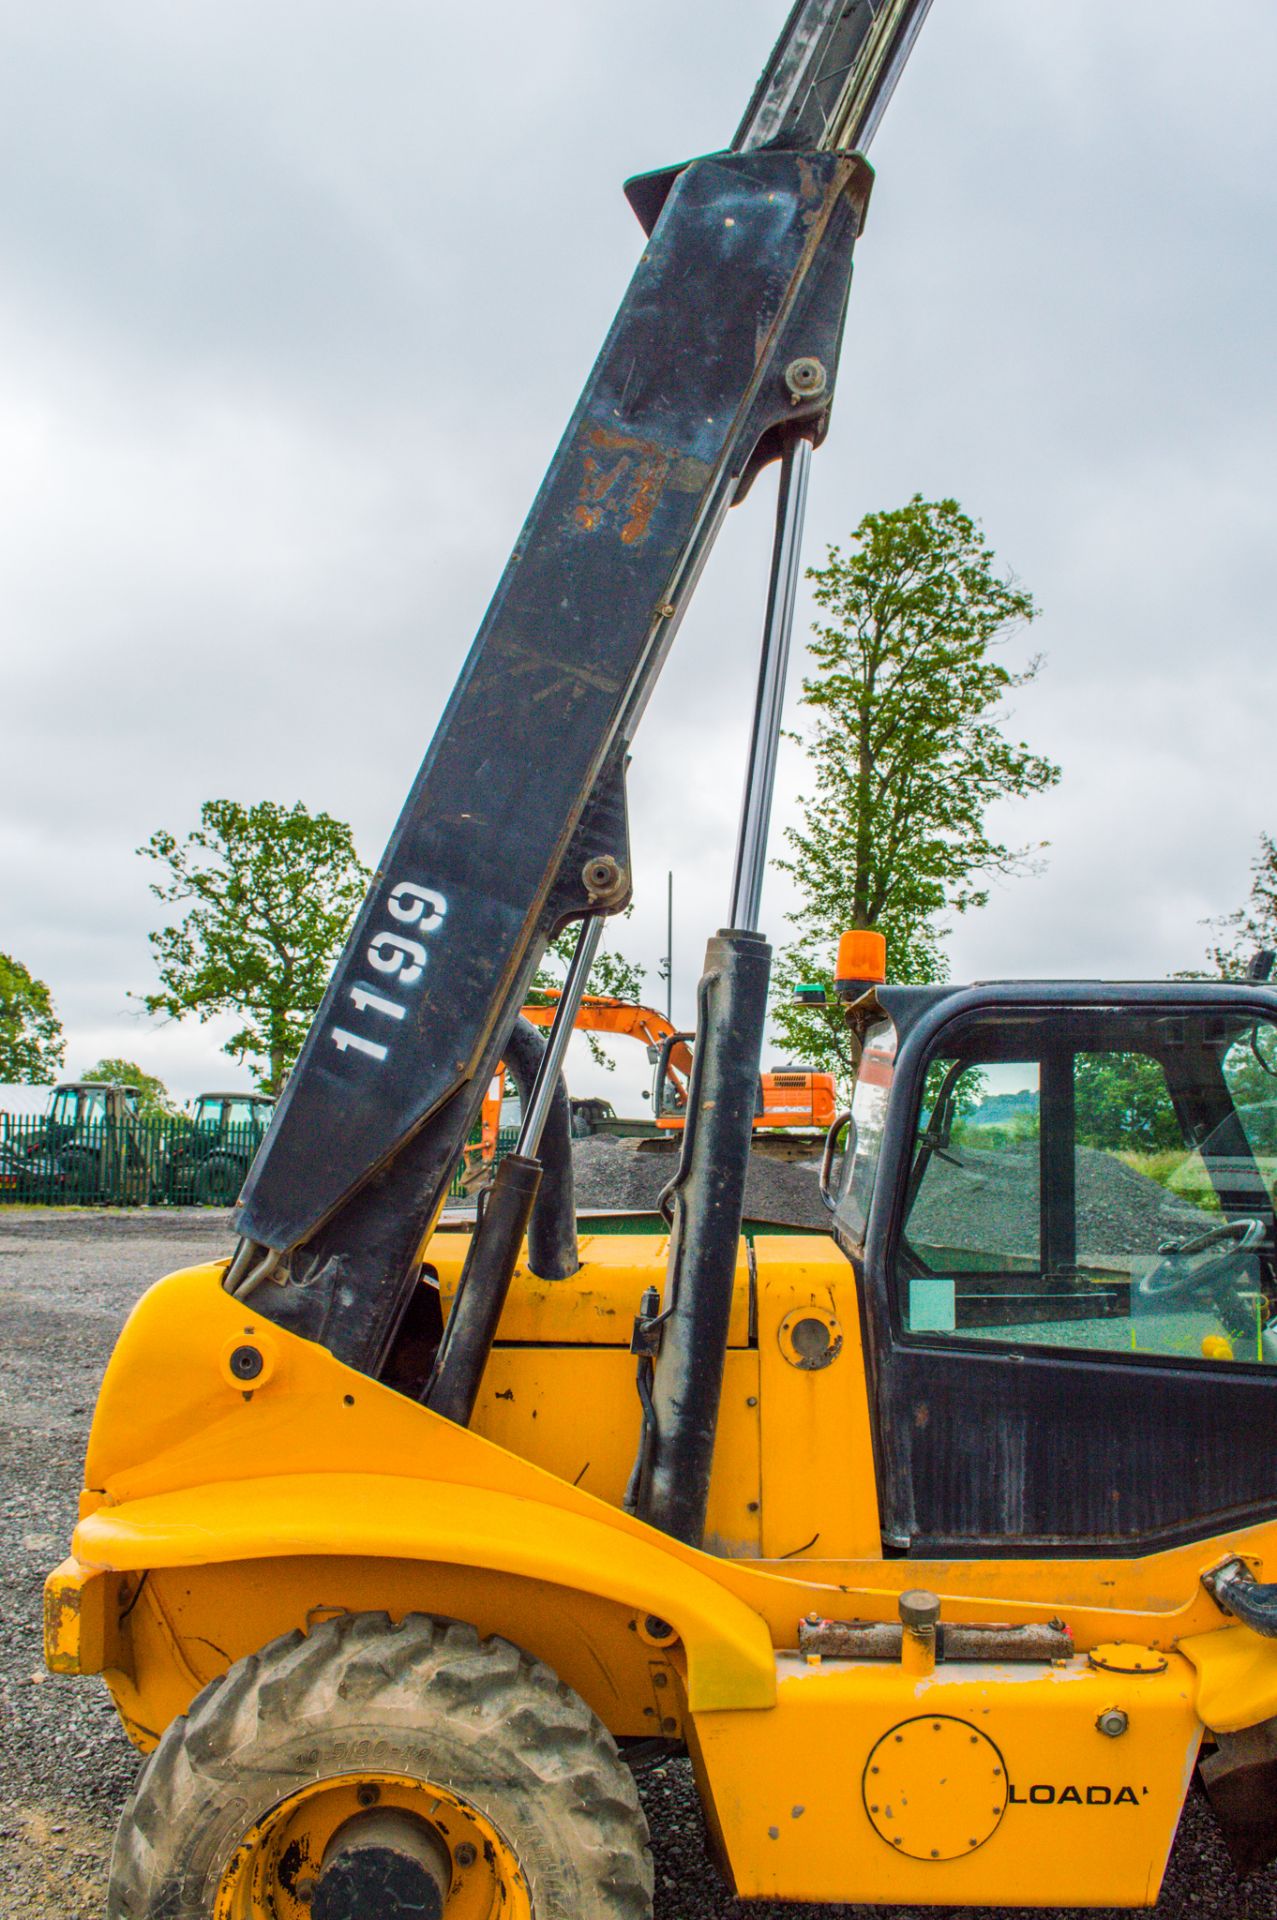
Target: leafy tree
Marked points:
32	1047
907	749
154	1099
272	891
1123	1105
1253	927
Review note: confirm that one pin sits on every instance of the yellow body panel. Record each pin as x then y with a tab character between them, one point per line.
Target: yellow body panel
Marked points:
1002	1769
532	1405
1236	1677
560	1390
596	1307
80	1634
725	1645
188	1624
216	1517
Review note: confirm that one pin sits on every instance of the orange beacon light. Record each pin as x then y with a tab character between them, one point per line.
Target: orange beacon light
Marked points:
862	962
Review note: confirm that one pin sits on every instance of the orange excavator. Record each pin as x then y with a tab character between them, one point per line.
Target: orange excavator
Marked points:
795	1098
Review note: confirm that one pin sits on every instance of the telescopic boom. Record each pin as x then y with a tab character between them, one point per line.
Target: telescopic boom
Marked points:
724	351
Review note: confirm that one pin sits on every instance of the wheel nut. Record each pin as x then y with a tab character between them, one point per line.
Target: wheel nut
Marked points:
368	1795
466	1855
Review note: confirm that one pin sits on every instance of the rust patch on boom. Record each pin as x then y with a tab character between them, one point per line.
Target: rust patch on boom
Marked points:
623	479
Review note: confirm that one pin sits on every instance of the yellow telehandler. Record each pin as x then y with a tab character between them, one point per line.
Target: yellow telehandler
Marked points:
944	1542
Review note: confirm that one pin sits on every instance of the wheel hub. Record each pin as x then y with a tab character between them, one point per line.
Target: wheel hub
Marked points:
372	1846
386	1863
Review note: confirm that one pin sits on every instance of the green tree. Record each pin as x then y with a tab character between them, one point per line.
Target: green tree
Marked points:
32	1047
907	751
155	1102
1123	1105
1253	927
270	893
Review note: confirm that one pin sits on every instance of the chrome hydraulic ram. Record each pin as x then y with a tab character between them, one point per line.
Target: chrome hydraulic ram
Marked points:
764	743
498	1238
685	1347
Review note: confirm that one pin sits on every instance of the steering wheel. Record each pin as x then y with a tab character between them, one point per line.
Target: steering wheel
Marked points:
1202	1261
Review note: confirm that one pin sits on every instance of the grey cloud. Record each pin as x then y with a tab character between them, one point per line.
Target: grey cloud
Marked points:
293	308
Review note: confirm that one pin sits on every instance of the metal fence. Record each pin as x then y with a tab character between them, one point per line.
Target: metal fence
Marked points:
165	1161
132	1162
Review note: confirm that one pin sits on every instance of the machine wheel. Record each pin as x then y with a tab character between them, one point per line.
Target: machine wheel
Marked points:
371	1769
218	1181
81	1172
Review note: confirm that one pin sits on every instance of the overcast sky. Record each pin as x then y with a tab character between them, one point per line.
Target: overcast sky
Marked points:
294	303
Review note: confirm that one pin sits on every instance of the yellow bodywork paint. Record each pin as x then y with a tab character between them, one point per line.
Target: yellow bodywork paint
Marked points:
216	1516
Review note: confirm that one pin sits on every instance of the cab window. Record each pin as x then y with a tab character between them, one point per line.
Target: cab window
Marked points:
1097	1180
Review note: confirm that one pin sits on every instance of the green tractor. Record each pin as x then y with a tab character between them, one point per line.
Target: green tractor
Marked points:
207	1167
94	1147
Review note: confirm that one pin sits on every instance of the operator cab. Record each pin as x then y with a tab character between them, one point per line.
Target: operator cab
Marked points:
81	1104
1060	1201
221	1113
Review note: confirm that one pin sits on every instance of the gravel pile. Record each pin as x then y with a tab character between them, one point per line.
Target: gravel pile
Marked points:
974	1198
628	1175
981	1200
66	1283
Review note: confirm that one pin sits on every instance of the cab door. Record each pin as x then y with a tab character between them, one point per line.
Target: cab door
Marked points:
1069	1273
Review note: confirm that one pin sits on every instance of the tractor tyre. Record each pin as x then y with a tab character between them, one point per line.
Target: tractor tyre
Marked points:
367	1768
218	1181
81	1175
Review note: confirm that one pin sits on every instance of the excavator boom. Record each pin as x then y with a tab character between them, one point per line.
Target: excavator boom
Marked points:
789	1097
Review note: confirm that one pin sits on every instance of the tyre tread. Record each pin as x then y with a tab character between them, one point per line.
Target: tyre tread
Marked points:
400	1673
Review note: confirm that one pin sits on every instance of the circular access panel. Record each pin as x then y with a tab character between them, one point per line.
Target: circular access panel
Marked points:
1118	1656
810	1338
935	1788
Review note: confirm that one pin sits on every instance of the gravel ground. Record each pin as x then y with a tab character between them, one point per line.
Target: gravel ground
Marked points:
66	1282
